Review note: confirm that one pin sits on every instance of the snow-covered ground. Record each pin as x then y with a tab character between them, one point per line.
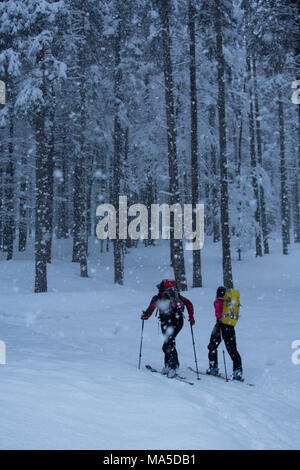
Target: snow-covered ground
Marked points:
71	379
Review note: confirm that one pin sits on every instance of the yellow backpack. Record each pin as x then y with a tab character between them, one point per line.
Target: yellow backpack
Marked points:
231	308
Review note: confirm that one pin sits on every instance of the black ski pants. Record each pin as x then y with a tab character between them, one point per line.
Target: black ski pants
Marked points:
170	327
228	335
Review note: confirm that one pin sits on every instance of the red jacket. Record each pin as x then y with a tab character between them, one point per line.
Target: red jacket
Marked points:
218	304
186	302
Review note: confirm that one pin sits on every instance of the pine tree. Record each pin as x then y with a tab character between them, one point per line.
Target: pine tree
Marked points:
117	159
227	268
260	160
35	100
10	69
254	162
197	276
177	254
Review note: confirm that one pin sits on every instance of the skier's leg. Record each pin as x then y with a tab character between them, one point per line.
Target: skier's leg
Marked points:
228	333
170	330
215	340
164	329
177	325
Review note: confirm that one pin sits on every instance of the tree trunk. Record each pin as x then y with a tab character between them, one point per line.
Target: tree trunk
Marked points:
22	208
215	184
50	169
80	241
296	206
76	214
197	276
9	225
41	180
83	239
176	246
1	202
260	162
226	251
62	209
296	185
238	176
283	179
253	163
117	159
40	208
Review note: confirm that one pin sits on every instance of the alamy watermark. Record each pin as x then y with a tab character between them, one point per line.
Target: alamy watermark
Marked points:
2	92
295	95
188	222
296	354
2	353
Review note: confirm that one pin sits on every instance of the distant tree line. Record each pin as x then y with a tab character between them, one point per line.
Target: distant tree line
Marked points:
162	101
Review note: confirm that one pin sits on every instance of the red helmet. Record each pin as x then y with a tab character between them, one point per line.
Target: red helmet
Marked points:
166	284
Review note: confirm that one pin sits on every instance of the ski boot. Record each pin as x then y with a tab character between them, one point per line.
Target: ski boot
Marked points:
237	374
172	372
213	370
165	370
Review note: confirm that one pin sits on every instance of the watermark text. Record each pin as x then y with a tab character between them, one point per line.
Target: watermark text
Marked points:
296	354
295	95
188	222
2	353
2	92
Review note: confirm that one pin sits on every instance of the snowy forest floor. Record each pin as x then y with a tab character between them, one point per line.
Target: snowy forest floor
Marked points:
71	379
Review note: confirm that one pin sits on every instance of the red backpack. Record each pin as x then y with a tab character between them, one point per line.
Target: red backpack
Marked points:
168	290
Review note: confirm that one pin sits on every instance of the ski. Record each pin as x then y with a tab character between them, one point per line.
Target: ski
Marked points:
177	377
221	377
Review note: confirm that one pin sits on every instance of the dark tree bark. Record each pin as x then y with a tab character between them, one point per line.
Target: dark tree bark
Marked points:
9	223
40	205
253	162
22	207
176	246
117	158
226	250
197	276
296	210
1	202
83	239
297	163
238	176
50	182
127	190
283	179
62	227
76	214
41	179
89	208
215	184
80	243
260	162
296	178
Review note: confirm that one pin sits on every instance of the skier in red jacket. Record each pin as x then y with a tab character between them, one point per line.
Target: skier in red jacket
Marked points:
170	305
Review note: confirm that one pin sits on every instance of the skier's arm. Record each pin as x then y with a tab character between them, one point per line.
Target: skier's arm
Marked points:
147	313
218	304
190	309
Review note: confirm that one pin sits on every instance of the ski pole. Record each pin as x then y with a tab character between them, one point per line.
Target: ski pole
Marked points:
198	378
140	357
225	366
224	358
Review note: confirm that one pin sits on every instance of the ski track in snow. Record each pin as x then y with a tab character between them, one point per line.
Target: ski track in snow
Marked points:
71	379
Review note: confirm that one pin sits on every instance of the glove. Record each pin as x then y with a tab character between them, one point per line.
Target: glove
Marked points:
192	321
144	316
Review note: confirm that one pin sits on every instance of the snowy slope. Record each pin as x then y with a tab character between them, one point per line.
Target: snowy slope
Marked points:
71	379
